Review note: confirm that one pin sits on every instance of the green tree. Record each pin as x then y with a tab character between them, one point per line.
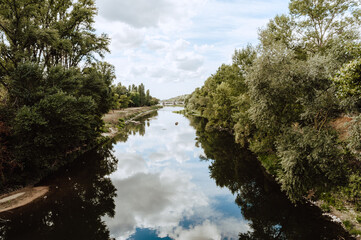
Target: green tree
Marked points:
310	160
56	90
48	130
321	23
348	83
148	98
134	99
141	92
48	33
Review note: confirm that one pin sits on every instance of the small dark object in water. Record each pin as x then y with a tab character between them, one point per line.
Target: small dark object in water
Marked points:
176	123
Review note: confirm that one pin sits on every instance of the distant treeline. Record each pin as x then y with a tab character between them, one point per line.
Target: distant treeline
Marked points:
133	96
295	100
177	99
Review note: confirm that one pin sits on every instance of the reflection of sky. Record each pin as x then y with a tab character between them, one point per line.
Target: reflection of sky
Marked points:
164	190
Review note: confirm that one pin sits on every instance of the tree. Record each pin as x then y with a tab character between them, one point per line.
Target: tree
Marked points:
141	92
348	83
281	97
48	130
310	160
148	98
48	33
320	23
56	91
134	99
123	101
279	30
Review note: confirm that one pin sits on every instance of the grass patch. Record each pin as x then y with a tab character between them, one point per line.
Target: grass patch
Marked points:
334	200
350	227
326	207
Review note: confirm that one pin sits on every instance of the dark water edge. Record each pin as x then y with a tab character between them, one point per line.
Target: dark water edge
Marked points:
271	213
83	193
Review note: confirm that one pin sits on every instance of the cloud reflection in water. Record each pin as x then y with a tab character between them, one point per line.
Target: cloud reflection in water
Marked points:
161	184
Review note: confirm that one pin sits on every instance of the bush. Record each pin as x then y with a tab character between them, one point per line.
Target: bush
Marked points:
355	136
348	82
310	160
353	189
46	132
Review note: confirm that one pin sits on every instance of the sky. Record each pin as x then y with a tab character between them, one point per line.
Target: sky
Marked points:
173	46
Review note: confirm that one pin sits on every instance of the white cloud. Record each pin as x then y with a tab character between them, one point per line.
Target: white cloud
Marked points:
129	164
160	183
155	44
190	63
179	43
153	200
127	37
138	70
206	231
147	13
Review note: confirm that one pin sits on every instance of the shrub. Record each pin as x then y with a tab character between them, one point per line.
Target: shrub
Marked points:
310	160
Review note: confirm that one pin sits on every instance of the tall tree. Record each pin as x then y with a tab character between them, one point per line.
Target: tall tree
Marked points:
56	91
322	22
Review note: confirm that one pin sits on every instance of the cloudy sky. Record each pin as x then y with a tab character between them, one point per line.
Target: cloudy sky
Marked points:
173	46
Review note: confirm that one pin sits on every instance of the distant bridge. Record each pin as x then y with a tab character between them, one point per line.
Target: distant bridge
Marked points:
172	103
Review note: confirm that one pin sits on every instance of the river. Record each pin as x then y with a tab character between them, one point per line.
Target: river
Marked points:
162	180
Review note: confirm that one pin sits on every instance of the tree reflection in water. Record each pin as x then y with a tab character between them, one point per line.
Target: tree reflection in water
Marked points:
271	214
80	195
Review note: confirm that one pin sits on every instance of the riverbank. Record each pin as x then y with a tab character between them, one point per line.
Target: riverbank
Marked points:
127	115
333	203
23	196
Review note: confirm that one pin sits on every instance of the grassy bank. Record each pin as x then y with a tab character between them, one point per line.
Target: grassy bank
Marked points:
116	119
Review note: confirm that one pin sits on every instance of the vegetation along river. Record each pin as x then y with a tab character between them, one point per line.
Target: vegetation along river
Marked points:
159	180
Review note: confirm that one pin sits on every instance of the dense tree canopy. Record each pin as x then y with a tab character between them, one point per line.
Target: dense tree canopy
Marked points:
54	89
283	97
133	96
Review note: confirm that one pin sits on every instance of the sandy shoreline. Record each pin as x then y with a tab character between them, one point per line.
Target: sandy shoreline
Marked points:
21	197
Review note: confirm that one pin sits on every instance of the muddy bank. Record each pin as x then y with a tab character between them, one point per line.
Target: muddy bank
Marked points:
21	197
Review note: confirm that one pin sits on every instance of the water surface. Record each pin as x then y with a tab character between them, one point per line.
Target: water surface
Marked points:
160	180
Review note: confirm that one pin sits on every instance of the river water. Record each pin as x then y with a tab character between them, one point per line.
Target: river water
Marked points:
159	180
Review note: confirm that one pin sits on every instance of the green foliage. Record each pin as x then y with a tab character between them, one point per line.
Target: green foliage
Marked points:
270	162
216	101
353	189
121	123
348	82
49	130
351	228
310	160
132	97
280	97
56	89
96	82
354	138
325	207
280	31
322	23
331	198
